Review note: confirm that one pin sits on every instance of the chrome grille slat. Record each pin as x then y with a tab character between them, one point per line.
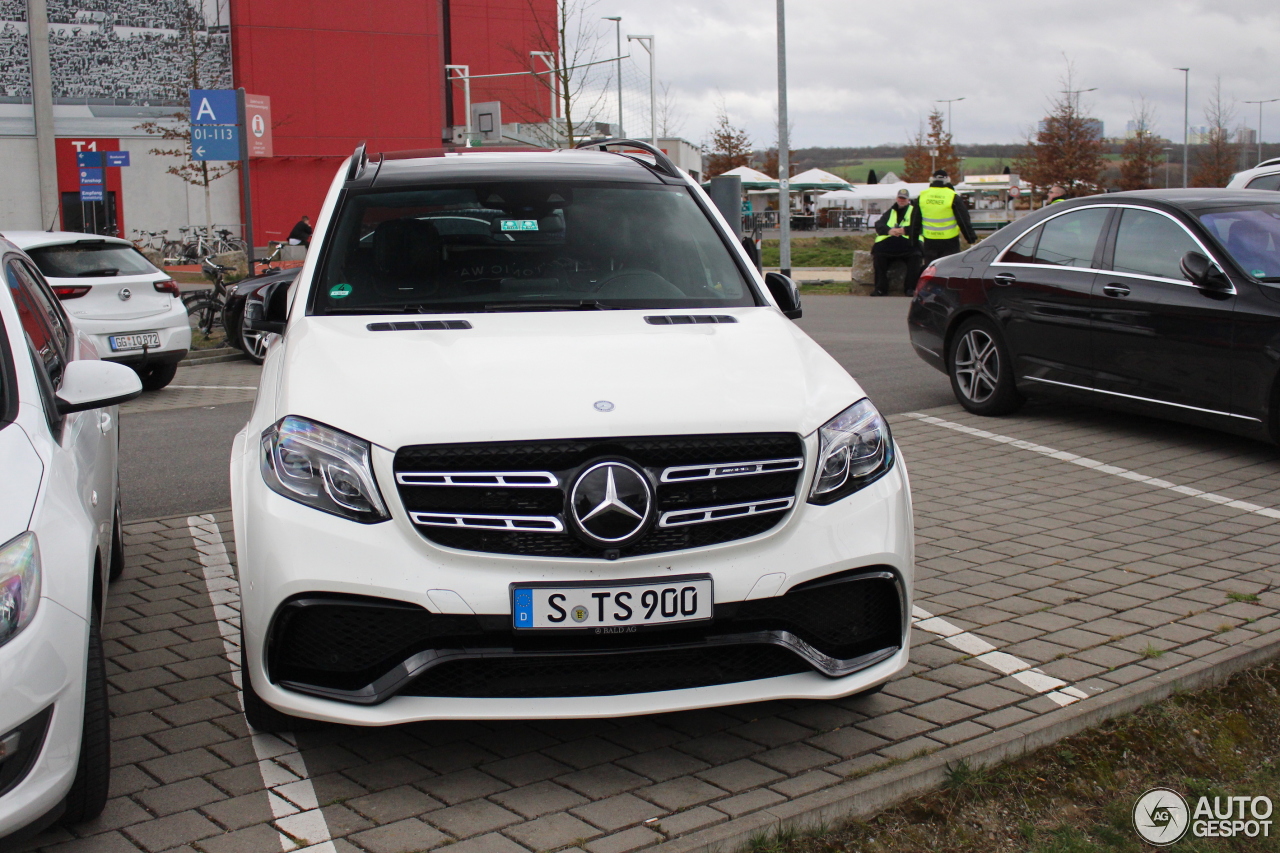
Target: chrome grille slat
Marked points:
692	473
473	521
702	515
505	479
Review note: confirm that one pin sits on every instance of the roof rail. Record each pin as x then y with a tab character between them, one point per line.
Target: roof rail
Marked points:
359	161
661	159
1271	162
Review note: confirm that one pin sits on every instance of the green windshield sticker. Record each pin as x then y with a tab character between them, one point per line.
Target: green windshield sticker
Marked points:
340	291
519	224
1259	273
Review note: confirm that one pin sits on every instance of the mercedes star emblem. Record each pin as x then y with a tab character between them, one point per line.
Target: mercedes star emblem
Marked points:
603	406
125	293
611	502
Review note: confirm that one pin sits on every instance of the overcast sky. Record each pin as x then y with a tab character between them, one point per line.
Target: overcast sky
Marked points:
863	72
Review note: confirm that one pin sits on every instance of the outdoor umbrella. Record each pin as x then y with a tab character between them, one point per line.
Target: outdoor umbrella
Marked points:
816	179
753	180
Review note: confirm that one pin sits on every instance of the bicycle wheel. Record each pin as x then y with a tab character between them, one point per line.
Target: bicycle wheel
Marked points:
204	312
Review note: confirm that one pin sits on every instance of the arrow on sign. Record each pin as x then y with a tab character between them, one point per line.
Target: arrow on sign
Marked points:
200	151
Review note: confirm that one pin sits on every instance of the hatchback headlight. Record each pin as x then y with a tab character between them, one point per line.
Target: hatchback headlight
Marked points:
323	468
19	584
854	450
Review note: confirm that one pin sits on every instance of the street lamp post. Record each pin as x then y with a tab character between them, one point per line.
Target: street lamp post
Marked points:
617	21
1166	167
784	145
647	41
1260	103
1186	121
949	102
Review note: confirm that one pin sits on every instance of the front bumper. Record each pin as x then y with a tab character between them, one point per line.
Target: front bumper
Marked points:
286	551
44	667
173	327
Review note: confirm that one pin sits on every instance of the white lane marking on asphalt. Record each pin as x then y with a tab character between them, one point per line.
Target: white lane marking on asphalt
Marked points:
1055	688
213	387
1085	462
284	773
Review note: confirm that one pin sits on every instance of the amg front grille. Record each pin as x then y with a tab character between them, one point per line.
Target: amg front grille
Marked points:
365	650
510	497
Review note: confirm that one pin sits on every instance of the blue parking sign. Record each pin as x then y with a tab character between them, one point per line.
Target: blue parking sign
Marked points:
214	106
215	142
115	158
90	177
91	194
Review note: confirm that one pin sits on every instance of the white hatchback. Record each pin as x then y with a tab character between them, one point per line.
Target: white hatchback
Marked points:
60	542
131	311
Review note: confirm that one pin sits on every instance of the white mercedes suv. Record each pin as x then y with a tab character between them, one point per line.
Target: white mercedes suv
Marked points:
539	441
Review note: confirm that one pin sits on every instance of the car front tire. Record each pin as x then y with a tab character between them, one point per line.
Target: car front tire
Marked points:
981	369
88	795
156	376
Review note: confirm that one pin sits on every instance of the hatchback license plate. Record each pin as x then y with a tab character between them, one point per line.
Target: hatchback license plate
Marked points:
612	607
150	340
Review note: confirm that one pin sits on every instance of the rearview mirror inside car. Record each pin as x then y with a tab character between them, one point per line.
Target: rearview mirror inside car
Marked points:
785	293
95	384
1203	272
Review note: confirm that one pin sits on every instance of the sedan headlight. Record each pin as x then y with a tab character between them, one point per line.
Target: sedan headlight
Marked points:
323	468
19	584
854	450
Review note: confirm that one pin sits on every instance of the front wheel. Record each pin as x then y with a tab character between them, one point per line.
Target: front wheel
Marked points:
981	370
254	344
88	795
157	376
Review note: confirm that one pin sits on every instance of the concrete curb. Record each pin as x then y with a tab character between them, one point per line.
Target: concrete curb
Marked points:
234	355
877	791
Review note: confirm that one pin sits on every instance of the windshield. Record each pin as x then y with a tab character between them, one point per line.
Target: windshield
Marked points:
87	260
526	246
1251	235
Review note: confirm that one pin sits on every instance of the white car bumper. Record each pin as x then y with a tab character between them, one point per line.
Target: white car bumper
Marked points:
286	549
44	666
173	327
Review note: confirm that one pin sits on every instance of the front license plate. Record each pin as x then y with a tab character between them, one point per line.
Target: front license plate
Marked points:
616	607
150	340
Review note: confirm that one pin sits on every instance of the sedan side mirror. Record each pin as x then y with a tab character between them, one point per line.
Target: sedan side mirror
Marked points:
1203	272
270	313
94	385
785	293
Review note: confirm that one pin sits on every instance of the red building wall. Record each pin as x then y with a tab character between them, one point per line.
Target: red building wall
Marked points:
339	73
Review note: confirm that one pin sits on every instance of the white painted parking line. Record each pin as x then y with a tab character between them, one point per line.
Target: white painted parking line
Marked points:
299	820
213	387
971	644
1085	462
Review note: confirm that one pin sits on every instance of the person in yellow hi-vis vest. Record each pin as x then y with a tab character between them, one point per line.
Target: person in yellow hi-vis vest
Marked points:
943	218
897	239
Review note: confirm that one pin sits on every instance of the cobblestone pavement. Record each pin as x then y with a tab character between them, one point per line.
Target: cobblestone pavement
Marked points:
1062	553
201	385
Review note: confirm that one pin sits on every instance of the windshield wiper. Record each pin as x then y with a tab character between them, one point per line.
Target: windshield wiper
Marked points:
88	273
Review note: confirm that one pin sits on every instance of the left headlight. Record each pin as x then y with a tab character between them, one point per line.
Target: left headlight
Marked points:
854	450
323	468
19	584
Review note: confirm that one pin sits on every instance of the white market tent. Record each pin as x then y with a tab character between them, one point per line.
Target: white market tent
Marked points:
753	179
816	179
857	196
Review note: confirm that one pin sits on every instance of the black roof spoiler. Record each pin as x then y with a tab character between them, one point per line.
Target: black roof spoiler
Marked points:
660	158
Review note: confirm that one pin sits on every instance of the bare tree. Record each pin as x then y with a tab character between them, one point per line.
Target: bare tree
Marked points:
915	165
939	140
571	43
1216	155
1142	151
671	118
728	148
1068	148
201	66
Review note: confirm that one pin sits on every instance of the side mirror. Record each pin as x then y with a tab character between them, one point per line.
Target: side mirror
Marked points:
1203	272
95	384
753	252
785	293
268	310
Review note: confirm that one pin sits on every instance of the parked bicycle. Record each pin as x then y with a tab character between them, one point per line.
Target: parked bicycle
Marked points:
204	307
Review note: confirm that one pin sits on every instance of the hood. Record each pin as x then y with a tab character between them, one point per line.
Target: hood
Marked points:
533	375
23	471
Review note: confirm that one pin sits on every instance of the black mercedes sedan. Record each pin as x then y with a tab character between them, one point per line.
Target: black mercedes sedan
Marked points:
1160	302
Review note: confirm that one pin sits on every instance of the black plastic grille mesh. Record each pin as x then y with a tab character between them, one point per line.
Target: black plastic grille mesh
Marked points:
567	457
345	642
605	674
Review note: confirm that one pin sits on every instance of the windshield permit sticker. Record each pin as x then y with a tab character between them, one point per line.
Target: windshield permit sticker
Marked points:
340	291
1259	273
519	224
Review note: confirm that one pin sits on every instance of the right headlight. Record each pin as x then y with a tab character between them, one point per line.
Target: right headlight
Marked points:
19	584
854	450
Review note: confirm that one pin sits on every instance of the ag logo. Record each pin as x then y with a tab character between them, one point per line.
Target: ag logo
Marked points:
579	613
1161	816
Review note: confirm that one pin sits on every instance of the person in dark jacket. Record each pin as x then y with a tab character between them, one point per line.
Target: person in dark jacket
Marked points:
301	233
897	241
944	217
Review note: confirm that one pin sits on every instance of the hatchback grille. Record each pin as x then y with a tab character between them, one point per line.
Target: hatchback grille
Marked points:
509	497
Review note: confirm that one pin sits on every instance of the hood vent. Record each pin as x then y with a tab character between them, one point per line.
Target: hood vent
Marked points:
688	319
418	326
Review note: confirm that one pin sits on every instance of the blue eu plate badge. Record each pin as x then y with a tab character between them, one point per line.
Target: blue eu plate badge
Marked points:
524	608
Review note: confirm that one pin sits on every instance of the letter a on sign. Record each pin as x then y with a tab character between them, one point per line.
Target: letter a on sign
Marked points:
205	110
213	106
